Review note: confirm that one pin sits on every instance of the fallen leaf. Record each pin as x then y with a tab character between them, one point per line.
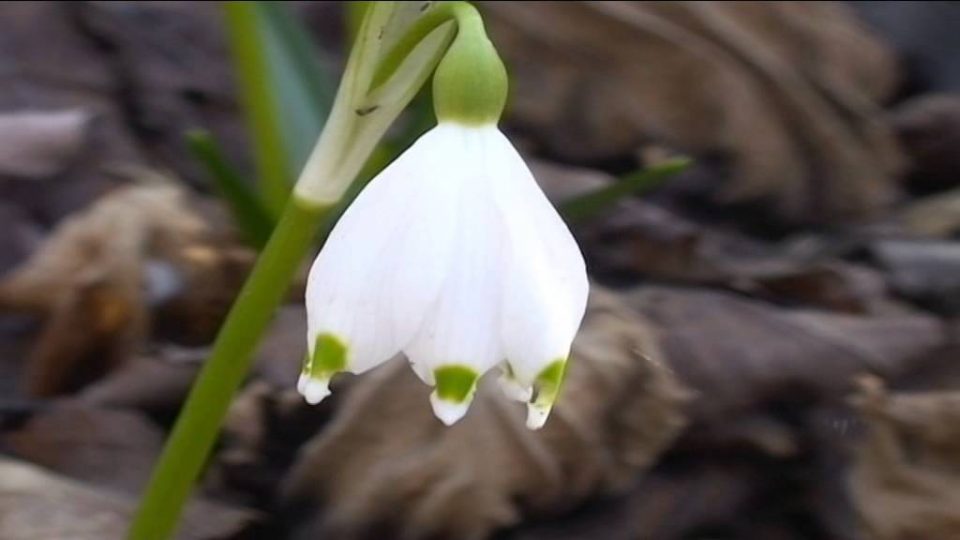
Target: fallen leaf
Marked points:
51	64
38	504
661	506
281	352
156	384
21	235
91	284
756	460
40	144
739	353
384	463
905	482
170	88
115	449
925	271
637	239
266	428
923	36
935	216
928	127
641	239
786	93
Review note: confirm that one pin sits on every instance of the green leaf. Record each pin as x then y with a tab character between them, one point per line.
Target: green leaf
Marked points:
305	90
257	94
285	92
588	205
249	214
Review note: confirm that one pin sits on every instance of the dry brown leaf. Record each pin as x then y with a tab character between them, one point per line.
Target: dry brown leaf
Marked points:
823	283
787	92
281	352
749	466
739	353
157	384
114	449
905	482
20	236
926	271
385	463
268	410
935	215
266	427
38	504
633	236
674	506
50	64
929	129
169	87
39	144
636	239
91	282
206	276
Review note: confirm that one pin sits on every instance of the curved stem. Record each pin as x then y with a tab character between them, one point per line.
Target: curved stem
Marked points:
467	19
197	426
195	431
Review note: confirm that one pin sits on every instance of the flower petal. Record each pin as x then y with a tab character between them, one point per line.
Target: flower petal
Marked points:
384	262
462	330
511	387
455	387
313	389
545	288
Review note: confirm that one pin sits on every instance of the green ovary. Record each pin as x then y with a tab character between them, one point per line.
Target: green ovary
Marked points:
455	383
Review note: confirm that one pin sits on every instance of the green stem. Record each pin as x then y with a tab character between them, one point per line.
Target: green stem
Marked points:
346	132
196	429
259	102
467	18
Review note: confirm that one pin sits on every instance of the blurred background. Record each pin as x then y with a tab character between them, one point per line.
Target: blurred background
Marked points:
767	195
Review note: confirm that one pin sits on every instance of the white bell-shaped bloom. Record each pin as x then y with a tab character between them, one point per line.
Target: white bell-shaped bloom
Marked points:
454	256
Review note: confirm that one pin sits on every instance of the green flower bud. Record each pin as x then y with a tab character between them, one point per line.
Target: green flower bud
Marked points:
470	84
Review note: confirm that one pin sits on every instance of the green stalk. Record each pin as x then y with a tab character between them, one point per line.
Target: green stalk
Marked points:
259	102
196	429
467	17
346	143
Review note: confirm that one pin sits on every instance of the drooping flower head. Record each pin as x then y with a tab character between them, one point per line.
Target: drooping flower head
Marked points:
453	256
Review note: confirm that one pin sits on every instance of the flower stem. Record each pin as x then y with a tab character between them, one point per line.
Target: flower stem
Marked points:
466	16
196	428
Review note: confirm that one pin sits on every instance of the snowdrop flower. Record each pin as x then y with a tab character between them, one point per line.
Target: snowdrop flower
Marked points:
453	256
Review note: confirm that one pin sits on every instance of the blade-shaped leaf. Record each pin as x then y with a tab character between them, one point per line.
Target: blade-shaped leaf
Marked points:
246	38
304	89
249	214
591	204
286	93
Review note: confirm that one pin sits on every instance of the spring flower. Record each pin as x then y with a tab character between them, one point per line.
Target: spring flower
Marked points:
453	256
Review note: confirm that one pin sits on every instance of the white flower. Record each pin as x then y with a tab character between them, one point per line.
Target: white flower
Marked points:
455	257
